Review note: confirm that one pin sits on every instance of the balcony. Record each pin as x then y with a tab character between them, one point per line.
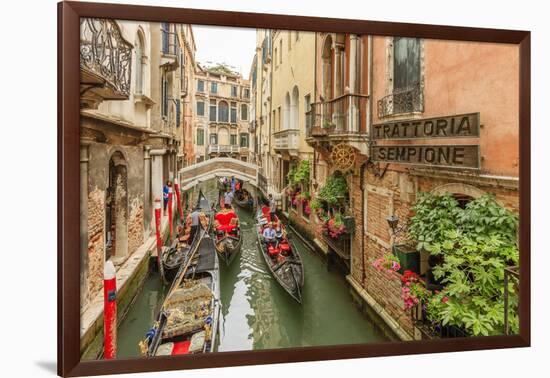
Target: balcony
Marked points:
223	149
403	101
342	119
170	51
287	141
105	62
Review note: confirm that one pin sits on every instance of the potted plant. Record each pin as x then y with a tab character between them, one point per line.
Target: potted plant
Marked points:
388	264
413	290
408	256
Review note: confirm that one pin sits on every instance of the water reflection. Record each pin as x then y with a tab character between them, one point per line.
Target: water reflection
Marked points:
257	313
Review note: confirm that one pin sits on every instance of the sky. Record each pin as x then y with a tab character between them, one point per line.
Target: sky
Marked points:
234	46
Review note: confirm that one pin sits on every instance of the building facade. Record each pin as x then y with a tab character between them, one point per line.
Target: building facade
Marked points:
222	114
371	90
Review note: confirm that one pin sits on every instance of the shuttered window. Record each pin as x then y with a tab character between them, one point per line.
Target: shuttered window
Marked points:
406	63
200	108
233	112
200	137
213	110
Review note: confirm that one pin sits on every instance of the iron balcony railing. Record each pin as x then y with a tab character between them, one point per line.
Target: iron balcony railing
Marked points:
346	114
431	329
223	148
407	100
106	54
286	139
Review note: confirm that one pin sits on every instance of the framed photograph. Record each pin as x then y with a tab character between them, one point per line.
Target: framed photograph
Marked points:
241	188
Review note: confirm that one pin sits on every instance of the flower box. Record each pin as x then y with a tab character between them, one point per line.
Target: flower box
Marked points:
349	223
408	256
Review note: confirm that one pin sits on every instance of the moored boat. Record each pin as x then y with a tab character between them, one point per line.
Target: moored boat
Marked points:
227	234
188	320
173	256
282	258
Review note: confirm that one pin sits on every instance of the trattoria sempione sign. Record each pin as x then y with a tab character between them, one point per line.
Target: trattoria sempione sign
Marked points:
448	155
460	156
464	125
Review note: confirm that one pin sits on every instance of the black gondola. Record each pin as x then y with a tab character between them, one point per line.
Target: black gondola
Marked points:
188	320
243	199
227	234
173	256
282	259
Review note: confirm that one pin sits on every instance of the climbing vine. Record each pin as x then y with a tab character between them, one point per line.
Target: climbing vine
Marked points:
475	244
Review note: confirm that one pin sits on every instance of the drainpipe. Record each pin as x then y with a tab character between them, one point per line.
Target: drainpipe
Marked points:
364	165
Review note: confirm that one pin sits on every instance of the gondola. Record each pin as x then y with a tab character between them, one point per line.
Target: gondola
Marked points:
282	258
227	234
243	199
173	256
188	320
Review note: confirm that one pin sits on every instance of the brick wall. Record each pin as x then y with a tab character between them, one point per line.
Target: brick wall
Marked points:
96	242
135	226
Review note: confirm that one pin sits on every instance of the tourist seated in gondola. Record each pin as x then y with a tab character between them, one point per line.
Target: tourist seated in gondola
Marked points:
269	234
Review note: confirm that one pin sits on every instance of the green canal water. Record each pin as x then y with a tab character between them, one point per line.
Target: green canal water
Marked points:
256	312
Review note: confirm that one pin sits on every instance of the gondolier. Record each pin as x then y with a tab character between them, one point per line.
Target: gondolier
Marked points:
228	198
195	223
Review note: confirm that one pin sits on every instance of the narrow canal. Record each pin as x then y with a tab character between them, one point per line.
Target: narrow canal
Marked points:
256	312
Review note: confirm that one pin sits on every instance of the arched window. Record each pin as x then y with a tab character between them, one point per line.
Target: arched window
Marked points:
328	71
140	63
294	106
223	112
286	112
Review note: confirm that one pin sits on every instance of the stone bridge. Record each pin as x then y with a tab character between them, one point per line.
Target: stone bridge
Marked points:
220	167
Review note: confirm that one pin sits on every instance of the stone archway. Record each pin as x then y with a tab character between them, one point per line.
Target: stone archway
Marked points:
459	188
116	209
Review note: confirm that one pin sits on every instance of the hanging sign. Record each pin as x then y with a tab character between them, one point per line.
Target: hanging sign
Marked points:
455	156
463	125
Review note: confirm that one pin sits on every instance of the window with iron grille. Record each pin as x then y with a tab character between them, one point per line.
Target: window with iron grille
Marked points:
213	110
200	86
200	137
233	112
200	108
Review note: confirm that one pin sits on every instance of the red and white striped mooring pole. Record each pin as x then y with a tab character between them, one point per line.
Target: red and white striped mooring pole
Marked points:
109	310
178	198
170	221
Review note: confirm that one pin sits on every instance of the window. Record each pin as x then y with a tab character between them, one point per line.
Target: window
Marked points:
247	92
244	140
307	103
200	108
244	112
233	91
200	86
213	111
200	137
178	112
214	139
406	63
281	51
233	139
140	64
223	112
289	40
164	97
165	29
213	87
233	112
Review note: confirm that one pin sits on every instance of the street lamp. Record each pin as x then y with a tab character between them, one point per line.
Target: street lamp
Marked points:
393	221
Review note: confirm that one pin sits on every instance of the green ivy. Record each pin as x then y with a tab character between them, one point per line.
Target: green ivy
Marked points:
476	244
334	191
299	174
